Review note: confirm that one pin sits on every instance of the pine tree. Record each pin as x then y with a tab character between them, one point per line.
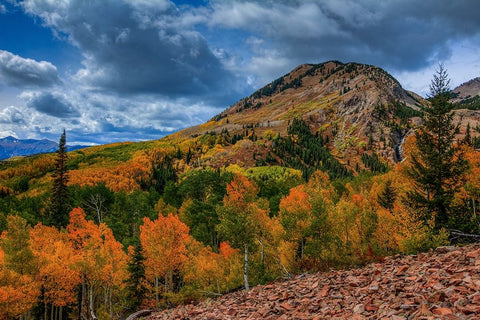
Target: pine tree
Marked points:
437	164
388	196
136	289
60	197
468	136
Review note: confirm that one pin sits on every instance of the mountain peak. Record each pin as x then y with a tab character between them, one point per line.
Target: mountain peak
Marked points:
9	139
312	81
467	90
355	108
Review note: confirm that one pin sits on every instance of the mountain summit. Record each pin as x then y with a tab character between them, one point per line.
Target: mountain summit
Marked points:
355	108
467	90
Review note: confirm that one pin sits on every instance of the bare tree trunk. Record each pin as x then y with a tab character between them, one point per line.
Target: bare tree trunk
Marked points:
245	268
156	292
110	303
105	297
83	302
51	312
284	270
45	312
262	250
60	313
474	211
91	306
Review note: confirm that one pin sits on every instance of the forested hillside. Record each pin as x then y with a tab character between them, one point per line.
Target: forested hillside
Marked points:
341	168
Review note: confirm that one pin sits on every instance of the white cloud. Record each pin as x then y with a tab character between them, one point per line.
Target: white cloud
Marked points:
24	73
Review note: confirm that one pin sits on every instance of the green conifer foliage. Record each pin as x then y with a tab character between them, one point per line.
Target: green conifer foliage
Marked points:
437	164
136	289
60	196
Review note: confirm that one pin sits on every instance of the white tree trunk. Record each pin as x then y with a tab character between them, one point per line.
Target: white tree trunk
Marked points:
91	305
245	269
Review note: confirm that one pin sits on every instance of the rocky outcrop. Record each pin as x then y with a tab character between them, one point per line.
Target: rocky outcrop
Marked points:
441	284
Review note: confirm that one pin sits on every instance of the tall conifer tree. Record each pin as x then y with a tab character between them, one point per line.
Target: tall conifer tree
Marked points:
60	197
437	164
136	289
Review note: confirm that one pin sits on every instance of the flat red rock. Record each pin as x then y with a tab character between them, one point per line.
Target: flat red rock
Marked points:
441	284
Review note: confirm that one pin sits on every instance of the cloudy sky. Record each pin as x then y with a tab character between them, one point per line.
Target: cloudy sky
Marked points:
128	70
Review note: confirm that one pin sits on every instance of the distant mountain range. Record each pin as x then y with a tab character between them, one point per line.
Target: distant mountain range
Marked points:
13	147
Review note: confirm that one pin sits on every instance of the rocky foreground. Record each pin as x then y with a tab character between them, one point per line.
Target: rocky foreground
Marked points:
440	284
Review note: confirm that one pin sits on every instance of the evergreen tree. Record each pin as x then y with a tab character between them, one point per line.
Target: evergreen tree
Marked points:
136	289
468	136
60	196
388	196
437	164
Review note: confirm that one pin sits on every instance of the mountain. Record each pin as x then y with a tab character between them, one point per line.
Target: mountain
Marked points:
342	118
440	284
13	147
358	109
467	90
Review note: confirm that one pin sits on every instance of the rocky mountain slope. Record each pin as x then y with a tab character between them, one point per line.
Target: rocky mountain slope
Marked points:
440	284
354	107
467	90
357	109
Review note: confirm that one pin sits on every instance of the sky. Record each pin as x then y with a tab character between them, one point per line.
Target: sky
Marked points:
131	70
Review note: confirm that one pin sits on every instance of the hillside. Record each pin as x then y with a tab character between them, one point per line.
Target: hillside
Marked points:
441	284
358	107
467	90
358	117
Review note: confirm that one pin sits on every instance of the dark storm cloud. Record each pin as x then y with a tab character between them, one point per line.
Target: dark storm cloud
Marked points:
135	47
26	73
51	104
403	35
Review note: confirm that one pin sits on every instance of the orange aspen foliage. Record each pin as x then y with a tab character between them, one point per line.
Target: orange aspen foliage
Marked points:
203	270
296	213
240	191
114	269
56	264
226	250
19	290
230	265
81	231
164	242
470	191
18	293
101	261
